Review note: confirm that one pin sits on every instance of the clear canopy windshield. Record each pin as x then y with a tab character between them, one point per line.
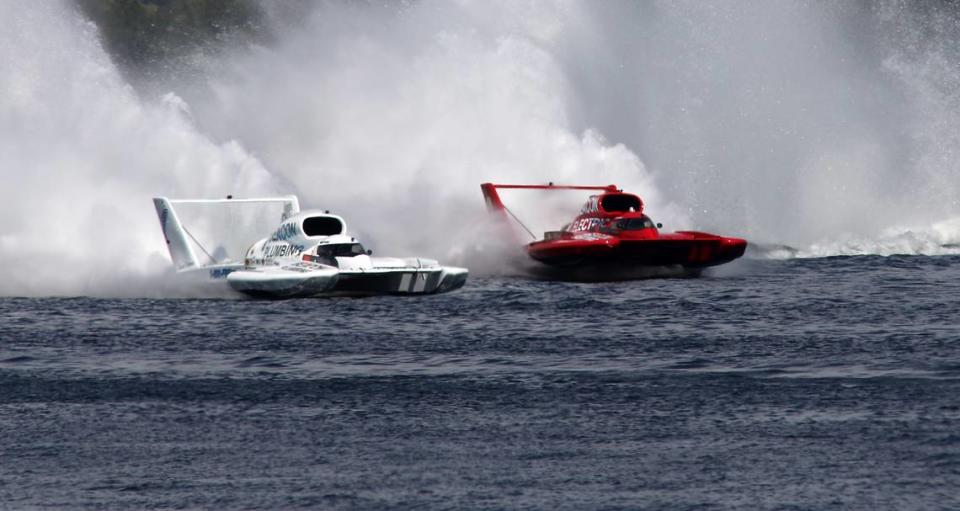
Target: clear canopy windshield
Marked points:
329	252
635	224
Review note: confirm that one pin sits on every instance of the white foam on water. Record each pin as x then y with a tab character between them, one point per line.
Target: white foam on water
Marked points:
941	238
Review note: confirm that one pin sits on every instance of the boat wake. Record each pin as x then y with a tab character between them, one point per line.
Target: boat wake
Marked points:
938	239
941	238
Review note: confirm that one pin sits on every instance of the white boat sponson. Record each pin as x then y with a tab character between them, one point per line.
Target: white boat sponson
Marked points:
286	281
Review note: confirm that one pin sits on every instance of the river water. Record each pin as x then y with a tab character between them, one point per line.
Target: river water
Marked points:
827	383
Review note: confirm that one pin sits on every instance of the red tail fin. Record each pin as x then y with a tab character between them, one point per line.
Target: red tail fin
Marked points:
491	197
495	204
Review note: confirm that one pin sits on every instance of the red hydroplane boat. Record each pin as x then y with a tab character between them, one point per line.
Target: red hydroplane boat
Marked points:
612	238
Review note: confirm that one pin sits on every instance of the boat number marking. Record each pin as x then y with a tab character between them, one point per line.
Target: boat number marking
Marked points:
220	273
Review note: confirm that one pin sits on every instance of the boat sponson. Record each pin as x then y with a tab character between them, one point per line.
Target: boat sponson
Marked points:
278	283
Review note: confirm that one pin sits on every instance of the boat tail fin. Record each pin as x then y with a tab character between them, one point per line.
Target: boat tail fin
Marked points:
173	232
501	214
291	206
495	204
492	198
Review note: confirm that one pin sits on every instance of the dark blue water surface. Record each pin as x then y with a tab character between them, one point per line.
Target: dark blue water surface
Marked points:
801	384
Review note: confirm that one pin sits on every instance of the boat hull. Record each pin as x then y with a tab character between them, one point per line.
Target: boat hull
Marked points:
690	253
302	281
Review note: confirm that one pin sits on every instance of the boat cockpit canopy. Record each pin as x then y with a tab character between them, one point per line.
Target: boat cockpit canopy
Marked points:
328	253
634	224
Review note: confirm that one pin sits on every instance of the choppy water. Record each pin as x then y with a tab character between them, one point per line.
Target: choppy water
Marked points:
801	384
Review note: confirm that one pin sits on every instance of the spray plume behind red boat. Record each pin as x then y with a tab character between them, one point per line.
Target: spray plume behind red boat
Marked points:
612	238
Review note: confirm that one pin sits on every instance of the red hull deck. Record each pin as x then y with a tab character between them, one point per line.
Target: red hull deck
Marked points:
690	252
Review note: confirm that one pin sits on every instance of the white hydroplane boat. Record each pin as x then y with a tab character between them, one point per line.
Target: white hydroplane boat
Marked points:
309	254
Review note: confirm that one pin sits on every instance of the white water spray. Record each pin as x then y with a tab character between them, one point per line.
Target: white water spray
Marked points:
784	122
394	115
81	157
828	128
